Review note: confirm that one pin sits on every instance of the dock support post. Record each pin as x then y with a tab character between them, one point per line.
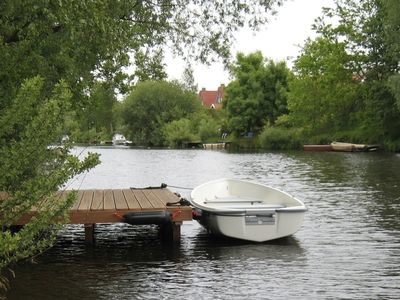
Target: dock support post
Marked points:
171	232
176	232
89	234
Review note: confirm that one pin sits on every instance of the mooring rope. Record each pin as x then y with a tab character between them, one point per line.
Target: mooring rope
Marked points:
179	187
181	202
162	186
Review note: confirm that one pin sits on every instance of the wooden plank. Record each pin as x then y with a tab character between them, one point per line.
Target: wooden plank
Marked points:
98	200
127	200
109	203
25	218
78	200
86	201
154	200
94	216
181	213
166	196
109	216
131	200
119	198
142	199
42	203
62	195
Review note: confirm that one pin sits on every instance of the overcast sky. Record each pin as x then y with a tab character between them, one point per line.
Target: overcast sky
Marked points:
279	41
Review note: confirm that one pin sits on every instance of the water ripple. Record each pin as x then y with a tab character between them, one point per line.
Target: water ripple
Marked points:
347	248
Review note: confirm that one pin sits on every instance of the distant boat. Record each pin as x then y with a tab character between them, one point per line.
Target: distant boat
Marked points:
118	139
341	147
246	210
349	147
128	143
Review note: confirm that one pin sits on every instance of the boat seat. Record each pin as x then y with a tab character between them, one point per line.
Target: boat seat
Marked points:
232	199
240	200
242	203
272	206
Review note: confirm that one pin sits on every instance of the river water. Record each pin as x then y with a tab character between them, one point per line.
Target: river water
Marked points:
347	248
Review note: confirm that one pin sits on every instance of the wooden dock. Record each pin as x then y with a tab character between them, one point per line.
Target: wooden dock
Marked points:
108	206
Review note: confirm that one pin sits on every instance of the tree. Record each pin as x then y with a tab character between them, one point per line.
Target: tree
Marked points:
82	40
178	131
188	82
257	95
369	30
155	103
323	94
149	67
98	114
31	171
392	27
51	49
394	85
343	77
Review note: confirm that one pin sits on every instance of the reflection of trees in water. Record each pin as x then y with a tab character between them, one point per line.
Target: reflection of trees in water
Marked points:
384	179
332	167
371	180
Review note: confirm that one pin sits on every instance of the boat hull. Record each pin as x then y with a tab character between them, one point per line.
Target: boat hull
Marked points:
247	211
256	228
349	147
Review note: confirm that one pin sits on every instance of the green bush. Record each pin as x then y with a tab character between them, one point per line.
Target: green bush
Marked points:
393	146
177	132
208	129
276	138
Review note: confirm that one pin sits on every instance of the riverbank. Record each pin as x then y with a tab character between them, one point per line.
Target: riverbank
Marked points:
271	139
292	139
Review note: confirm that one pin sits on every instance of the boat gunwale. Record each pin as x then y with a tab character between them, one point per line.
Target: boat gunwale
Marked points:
246	212
289	209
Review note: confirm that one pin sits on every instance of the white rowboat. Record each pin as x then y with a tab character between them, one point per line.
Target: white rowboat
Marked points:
247	210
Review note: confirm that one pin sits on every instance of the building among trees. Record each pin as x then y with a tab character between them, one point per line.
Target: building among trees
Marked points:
212	99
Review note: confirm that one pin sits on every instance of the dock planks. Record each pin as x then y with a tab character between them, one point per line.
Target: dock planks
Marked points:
107	206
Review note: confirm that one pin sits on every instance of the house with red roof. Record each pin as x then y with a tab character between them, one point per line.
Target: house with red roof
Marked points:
212	99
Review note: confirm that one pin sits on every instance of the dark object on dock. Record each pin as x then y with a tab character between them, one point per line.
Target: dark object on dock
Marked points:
317	148
162	186
181	202
148	218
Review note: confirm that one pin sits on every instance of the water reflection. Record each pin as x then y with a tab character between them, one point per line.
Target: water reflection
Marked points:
218	248
348	246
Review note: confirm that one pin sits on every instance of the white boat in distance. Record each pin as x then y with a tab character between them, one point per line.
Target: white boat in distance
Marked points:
247	210
118	139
